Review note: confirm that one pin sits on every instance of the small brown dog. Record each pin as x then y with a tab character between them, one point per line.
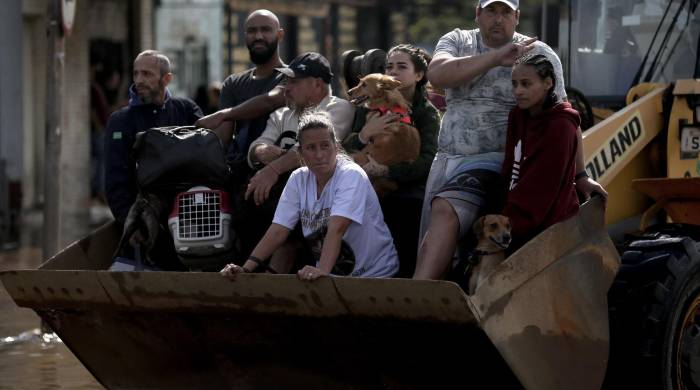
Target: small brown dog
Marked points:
378	92
493	237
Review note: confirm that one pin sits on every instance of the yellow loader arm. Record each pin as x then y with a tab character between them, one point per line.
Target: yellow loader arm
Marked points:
612	144
634	143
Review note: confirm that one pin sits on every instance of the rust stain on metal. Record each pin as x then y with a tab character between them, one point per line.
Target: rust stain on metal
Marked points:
571	362
316	298
120	279
340	296
563	318
497	307
268	300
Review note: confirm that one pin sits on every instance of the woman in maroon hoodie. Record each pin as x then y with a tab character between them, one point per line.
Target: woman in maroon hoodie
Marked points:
539	164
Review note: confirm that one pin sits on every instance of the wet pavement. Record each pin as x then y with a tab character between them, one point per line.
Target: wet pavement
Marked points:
30	359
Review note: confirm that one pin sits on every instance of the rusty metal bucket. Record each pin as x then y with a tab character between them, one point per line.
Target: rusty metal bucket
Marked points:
546	317
545	308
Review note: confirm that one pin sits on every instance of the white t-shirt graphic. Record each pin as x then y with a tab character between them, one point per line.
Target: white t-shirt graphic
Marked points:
347	194
517	156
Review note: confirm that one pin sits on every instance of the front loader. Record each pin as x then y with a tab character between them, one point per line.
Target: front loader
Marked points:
540	320
609	298
646	155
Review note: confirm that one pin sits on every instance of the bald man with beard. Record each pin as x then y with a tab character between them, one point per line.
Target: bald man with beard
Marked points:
249	97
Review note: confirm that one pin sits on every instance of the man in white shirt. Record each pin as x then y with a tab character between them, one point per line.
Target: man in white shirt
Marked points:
274	153
308	88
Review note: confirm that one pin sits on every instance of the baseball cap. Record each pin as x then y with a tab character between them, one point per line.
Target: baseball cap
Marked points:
511	3
309	65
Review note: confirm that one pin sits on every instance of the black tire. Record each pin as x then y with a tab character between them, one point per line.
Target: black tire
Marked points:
655	316
580	103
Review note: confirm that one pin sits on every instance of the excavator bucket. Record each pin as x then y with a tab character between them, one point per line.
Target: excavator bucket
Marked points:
546	316
545	308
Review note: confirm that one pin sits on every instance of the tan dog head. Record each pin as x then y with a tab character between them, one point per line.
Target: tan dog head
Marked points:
492	232
377	89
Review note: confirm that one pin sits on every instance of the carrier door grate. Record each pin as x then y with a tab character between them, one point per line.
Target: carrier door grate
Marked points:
199	215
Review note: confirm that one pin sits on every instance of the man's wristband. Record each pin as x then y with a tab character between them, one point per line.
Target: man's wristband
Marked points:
581	175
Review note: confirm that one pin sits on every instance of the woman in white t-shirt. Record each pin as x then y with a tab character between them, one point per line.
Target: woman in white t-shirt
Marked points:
338	209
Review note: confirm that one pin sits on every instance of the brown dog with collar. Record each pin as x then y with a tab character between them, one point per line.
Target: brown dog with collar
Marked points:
493	237
401	143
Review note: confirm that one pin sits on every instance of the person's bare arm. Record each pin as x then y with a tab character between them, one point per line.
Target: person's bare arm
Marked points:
261	183
289	161
448	71
274	237
337	226
580	163
224	131
585	185
265	154
252	108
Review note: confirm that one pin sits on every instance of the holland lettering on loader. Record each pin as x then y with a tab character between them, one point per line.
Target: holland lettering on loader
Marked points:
620	143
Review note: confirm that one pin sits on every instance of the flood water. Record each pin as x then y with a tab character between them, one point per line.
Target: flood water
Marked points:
30	359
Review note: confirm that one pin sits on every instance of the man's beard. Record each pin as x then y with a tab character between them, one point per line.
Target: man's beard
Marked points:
150	95
259	58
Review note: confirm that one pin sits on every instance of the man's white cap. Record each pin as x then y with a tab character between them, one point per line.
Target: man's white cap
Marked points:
511	3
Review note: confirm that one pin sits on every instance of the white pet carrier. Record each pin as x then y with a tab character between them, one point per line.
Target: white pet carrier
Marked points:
200	222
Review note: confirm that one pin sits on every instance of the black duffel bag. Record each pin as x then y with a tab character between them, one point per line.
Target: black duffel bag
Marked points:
178	157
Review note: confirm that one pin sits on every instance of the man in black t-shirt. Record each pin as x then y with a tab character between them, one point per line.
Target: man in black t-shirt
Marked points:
248	98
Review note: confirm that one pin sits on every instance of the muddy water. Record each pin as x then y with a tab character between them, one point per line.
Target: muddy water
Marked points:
30	359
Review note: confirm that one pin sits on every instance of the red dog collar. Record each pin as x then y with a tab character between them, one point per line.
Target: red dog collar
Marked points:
405	118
